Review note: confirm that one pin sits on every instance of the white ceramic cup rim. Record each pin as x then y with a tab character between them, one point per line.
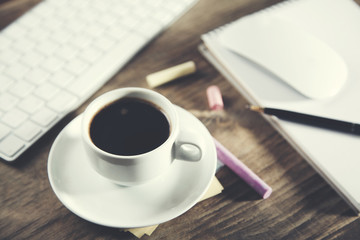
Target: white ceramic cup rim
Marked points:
153	97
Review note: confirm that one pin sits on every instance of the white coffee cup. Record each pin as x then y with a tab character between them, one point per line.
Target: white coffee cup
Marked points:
129	170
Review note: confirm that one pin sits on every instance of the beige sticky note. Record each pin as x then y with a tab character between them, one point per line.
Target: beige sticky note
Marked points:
139	232
214	189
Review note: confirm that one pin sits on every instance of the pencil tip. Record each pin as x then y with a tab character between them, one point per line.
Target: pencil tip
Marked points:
255	108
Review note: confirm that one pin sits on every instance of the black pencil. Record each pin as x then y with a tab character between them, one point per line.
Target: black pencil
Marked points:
322	122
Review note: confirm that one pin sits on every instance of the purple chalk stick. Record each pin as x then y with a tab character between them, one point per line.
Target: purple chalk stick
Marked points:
242	170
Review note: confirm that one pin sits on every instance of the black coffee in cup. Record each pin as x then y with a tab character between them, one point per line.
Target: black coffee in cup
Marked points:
129	126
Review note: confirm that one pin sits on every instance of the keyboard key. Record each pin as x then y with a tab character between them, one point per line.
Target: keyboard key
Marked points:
28	131
67	52
5	82
37	76
99	6
32	59
130	21
7	101
31	104
63	102
104	43
76	26
77	66
24	45
22	89
118	33
88	17
11	145
40	34
52	64
4	42
91	54
46	91
14	118
62	78
4	130
17	71
141	13
81	41
79	4
47	47
95	30
9	56
107	19
64	13
52	24
44	117
61	37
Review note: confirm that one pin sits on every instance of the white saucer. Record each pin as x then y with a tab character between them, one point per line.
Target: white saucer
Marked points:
92	197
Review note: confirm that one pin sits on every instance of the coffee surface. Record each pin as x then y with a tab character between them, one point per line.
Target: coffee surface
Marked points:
129	126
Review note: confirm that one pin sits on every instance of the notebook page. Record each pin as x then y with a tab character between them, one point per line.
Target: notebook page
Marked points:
336	156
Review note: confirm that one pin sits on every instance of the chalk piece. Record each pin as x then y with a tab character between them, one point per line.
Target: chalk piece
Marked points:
214	98
242	170
169	74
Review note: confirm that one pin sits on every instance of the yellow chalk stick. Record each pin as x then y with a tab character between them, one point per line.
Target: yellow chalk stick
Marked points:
169	74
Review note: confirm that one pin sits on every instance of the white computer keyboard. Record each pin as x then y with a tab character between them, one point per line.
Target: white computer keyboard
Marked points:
59	53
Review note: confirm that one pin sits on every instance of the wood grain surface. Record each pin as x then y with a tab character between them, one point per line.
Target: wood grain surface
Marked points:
302	206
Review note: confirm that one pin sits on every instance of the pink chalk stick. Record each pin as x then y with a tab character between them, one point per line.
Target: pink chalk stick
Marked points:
214	98
226	157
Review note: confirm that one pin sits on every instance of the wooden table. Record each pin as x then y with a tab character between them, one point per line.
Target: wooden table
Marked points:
302	205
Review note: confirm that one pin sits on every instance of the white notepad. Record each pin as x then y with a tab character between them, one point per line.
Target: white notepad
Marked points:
336	156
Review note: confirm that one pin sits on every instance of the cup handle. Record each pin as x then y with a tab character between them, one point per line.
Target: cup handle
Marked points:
188	146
